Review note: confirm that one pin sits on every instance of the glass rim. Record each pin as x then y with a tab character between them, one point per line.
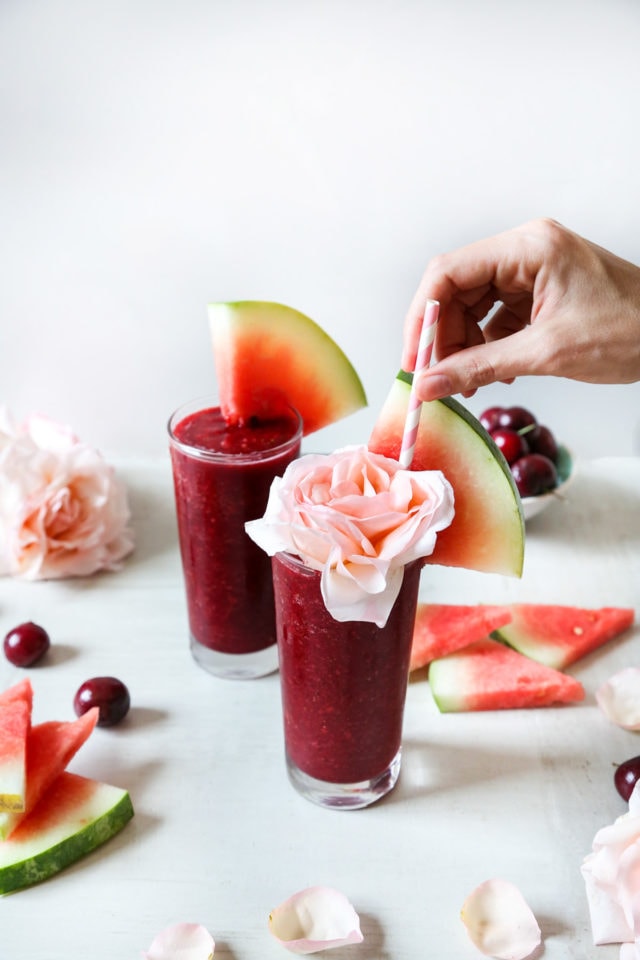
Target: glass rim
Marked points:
216	456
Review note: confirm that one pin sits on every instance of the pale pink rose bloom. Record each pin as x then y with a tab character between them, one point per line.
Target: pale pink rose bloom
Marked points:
358	517
63	511
612	878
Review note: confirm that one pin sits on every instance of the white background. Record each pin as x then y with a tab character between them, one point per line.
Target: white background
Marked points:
157	155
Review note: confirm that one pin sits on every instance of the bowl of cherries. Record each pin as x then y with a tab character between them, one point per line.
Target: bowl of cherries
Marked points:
541	467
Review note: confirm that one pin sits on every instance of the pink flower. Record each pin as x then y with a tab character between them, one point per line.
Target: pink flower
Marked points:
63	512
359	518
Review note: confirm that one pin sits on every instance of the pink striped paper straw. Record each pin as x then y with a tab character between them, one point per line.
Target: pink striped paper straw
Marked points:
423	359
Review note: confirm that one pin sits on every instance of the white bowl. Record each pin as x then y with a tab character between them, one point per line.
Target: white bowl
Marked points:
532	506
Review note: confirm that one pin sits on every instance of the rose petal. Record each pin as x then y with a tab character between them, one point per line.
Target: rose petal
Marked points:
183	941
500	922
318	918
619	698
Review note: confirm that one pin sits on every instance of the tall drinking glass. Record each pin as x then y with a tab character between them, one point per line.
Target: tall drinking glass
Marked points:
222	474
343	688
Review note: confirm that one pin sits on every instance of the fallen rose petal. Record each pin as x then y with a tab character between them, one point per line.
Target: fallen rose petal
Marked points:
619	698
500	922
182	941
318	918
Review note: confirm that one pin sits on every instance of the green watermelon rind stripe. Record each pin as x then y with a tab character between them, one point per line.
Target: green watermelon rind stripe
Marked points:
41	866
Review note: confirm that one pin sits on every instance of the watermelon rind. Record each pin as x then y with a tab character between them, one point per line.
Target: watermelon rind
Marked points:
75	816
487	533
266	352
558	635
486	675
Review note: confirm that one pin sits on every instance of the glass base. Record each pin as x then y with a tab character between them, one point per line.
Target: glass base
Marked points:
344	796
235	666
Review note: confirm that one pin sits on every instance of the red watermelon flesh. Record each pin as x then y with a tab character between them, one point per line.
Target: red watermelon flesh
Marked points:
50	747
19	691
15	720
441	628
559	635
486	675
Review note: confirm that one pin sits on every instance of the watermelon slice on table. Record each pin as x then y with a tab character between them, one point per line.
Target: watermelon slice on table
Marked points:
15	720
441	628
486	675
269	356
74	816
559	635
487	532
50	747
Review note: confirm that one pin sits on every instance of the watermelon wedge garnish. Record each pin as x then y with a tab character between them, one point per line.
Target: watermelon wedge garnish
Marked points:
269	356
15	722
486	675
487	532
559	635
50	747
441	628
74	816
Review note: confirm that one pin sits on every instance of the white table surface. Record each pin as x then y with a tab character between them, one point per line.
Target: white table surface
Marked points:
220	837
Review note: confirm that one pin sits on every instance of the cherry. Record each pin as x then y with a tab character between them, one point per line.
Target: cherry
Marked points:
108	694
625	777
513	446
516	418
26	644
541	440
490	417
534	474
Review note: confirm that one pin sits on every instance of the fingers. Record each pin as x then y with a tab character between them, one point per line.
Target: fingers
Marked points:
466	370
467	282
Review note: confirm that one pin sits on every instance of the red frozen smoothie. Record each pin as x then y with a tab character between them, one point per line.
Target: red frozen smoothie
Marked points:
222	474
343	684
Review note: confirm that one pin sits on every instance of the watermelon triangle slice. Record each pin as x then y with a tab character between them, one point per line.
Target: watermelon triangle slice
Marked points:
441	628
268	355
486	675
559	635
50	747
15	720
74	816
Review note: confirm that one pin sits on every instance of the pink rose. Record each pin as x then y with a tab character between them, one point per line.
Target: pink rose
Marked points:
63	512
359	518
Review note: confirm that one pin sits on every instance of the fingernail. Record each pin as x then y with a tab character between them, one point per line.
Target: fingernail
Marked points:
434	386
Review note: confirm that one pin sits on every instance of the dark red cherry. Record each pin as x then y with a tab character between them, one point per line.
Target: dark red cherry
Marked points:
108	694
625	777
512	445
534	474
516	418
490	417
26	644
541	440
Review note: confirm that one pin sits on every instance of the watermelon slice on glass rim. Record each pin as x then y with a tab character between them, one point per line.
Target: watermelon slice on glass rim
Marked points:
487	532
269	357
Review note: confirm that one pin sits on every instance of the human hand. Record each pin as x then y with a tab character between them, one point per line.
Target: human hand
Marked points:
568	308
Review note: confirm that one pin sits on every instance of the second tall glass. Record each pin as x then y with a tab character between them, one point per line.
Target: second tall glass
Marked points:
222	475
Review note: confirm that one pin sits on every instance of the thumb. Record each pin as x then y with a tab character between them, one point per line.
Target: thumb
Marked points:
466	370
